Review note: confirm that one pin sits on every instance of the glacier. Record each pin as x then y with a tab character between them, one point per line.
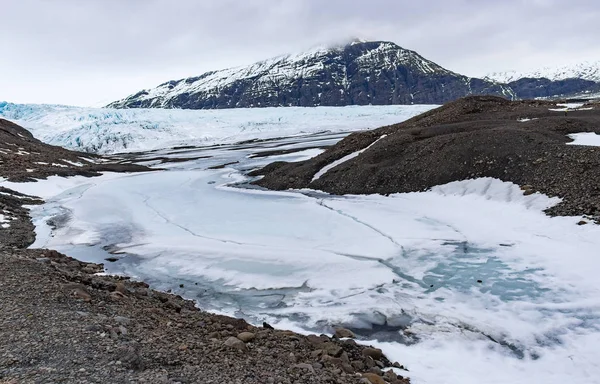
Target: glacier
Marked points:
471	268
106	130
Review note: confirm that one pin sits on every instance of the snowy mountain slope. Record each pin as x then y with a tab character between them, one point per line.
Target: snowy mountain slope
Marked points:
587	70
359	73
104	130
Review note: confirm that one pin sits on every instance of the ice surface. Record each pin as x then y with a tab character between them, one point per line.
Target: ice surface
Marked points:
402	269
585	138
106	130
468	269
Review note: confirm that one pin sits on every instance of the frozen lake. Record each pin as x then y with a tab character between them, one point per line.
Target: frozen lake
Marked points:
469	282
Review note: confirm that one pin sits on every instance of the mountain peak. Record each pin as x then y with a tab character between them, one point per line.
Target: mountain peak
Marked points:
585	70
358	72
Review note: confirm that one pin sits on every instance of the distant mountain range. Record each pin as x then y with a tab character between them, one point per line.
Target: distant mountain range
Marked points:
358	73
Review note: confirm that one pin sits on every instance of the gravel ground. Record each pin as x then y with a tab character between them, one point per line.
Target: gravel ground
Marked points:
61	322
470	138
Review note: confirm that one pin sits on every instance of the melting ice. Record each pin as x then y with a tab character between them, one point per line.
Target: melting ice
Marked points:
468	282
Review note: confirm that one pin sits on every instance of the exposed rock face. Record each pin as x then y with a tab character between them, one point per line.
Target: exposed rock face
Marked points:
519	141
528	88
360	73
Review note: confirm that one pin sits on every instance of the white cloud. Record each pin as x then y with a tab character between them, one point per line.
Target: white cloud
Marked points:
85	52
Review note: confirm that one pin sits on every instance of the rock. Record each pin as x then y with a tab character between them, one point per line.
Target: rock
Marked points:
82	294
332	349
347	368
116	296
246	336
342	333
374	353
120	287
122	320
335	361
214	335
376	370
305	366
390	376
267	325
582	222
234	342
314	340
373	378
528	192
399	366
129	356
358	365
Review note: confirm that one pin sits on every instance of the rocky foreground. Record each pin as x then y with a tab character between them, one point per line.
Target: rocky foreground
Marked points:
524	142
62	322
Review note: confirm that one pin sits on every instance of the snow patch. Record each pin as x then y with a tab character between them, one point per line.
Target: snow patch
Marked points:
351	156
585	138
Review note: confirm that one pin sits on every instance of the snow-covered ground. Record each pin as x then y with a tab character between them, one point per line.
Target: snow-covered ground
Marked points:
587	70
467	283
105	130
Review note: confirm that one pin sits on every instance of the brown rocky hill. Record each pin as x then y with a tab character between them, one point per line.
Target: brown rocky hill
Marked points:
518	141
25	158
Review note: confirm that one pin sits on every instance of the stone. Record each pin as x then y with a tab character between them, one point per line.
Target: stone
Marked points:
129	356
582	222
116	296
214	335
390	375
234	342
374	353
305	366
343	333
122	320
314	340
373	378
246	336
120	287
82	294
347	368
335	361
376	370
332	349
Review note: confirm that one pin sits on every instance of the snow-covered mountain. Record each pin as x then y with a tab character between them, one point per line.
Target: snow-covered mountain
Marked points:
104	130
587	70
358	73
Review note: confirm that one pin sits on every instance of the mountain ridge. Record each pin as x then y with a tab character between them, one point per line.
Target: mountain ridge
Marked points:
358	73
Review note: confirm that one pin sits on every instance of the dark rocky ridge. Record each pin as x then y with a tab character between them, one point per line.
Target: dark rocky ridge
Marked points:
469	138
529	88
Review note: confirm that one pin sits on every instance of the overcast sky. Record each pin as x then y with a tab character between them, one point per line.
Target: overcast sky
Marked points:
91	52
